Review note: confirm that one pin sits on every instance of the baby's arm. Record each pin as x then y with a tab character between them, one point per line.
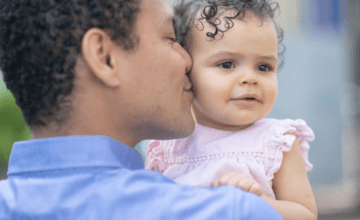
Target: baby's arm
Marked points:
294	197
239	180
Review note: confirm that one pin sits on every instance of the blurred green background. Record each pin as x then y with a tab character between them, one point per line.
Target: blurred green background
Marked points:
12	127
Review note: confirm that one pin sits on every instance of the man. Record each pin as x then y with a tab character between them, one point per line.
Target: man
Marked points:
93	78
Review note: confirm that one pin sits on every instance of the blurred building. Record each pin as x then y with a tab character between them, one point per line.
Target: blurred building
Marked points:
318	84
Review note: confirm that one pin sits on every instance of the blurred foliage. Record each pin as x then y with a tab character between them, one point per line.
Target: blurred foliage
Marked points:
12	126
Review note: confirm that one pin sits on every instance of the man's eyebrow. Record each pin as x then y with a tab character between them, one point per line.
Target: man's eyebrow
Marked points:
169	19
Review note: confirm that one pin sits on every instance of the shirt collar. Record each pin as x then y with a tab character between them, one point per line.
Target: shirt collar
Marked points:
71	152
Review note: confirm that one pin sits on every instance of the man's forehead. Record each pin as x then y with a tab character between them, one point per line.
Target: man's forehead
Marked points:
157	11
157	3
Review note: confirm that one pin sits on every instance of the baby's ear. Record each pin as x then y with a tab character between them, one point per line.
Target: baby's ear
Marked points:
98	52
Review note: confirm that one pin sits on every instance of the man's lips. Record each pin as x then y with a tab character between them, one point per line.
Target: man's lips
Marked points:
189	89
188	85
189	96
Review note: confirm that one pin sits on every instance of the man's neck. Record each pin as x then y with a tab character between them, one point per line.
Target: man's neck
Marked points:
76	129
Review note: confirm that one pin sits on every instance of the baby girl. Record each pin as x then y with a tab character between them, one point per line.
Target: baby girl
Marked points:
234	46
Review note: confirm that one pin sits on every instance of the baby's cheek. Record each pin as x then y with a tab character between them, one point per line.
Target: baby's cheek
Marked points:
271	92
273	86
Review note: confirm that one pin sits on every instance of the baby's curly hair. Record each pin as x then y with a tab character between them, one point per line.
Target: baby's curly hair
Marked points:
39	43
185	12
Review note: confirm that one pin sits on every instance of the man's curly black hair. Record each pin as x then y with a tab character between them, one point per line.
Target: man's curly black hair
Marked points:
39	43
185	12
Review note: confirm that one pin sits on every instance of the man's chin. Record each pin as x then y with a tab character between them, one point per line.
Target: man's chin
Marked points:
186	130
176	130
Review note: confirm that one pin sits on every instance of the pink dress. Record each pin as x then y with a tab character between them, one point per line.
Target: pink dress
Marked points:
209	153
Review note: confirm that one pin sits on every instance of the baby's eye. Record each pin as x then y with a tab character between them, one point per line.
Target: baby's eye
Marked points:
226	65
264	68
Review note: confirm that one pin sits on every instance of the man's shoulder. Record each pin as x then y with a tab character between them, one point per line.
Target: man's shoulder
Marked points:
6	197
162	198
145	194
125	194
125	178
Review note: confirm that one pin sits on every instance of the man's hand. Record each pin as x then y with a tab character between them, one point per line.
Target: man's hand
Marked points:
239	180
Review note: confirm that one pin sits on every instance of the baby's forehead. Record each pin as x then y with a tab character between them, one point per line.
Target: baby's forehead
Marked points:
227	22
224	13
223	20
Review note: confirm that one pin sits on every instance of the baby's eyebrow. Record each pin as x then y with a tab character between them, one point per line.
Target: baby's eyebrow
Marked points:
271	57
233	54
223	53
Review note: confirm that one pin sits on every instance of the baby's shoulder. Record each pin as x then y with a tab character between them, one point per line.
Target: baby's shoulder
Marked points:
279	137
281	133
282	126
268	127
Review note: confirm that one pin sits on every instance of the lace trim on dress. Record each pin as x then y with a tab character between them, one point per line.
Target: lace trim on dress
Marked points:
214	156
155	157
278	142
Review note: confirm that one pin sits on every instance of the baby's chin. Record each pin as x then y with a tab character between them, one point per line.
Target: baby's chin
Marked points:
233	121
239	127
227	126
237	123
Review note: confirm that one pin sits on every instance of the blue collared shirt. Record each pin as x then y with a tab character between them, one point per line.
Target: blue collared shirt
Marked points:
96	177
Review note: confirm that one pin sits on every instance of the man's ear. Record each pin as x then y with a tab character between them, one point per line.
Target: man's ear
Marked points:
98	52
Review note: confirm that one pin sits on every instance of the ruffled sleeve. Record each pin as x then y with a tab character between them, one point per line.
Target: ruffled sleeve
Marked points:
156	156
277	142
